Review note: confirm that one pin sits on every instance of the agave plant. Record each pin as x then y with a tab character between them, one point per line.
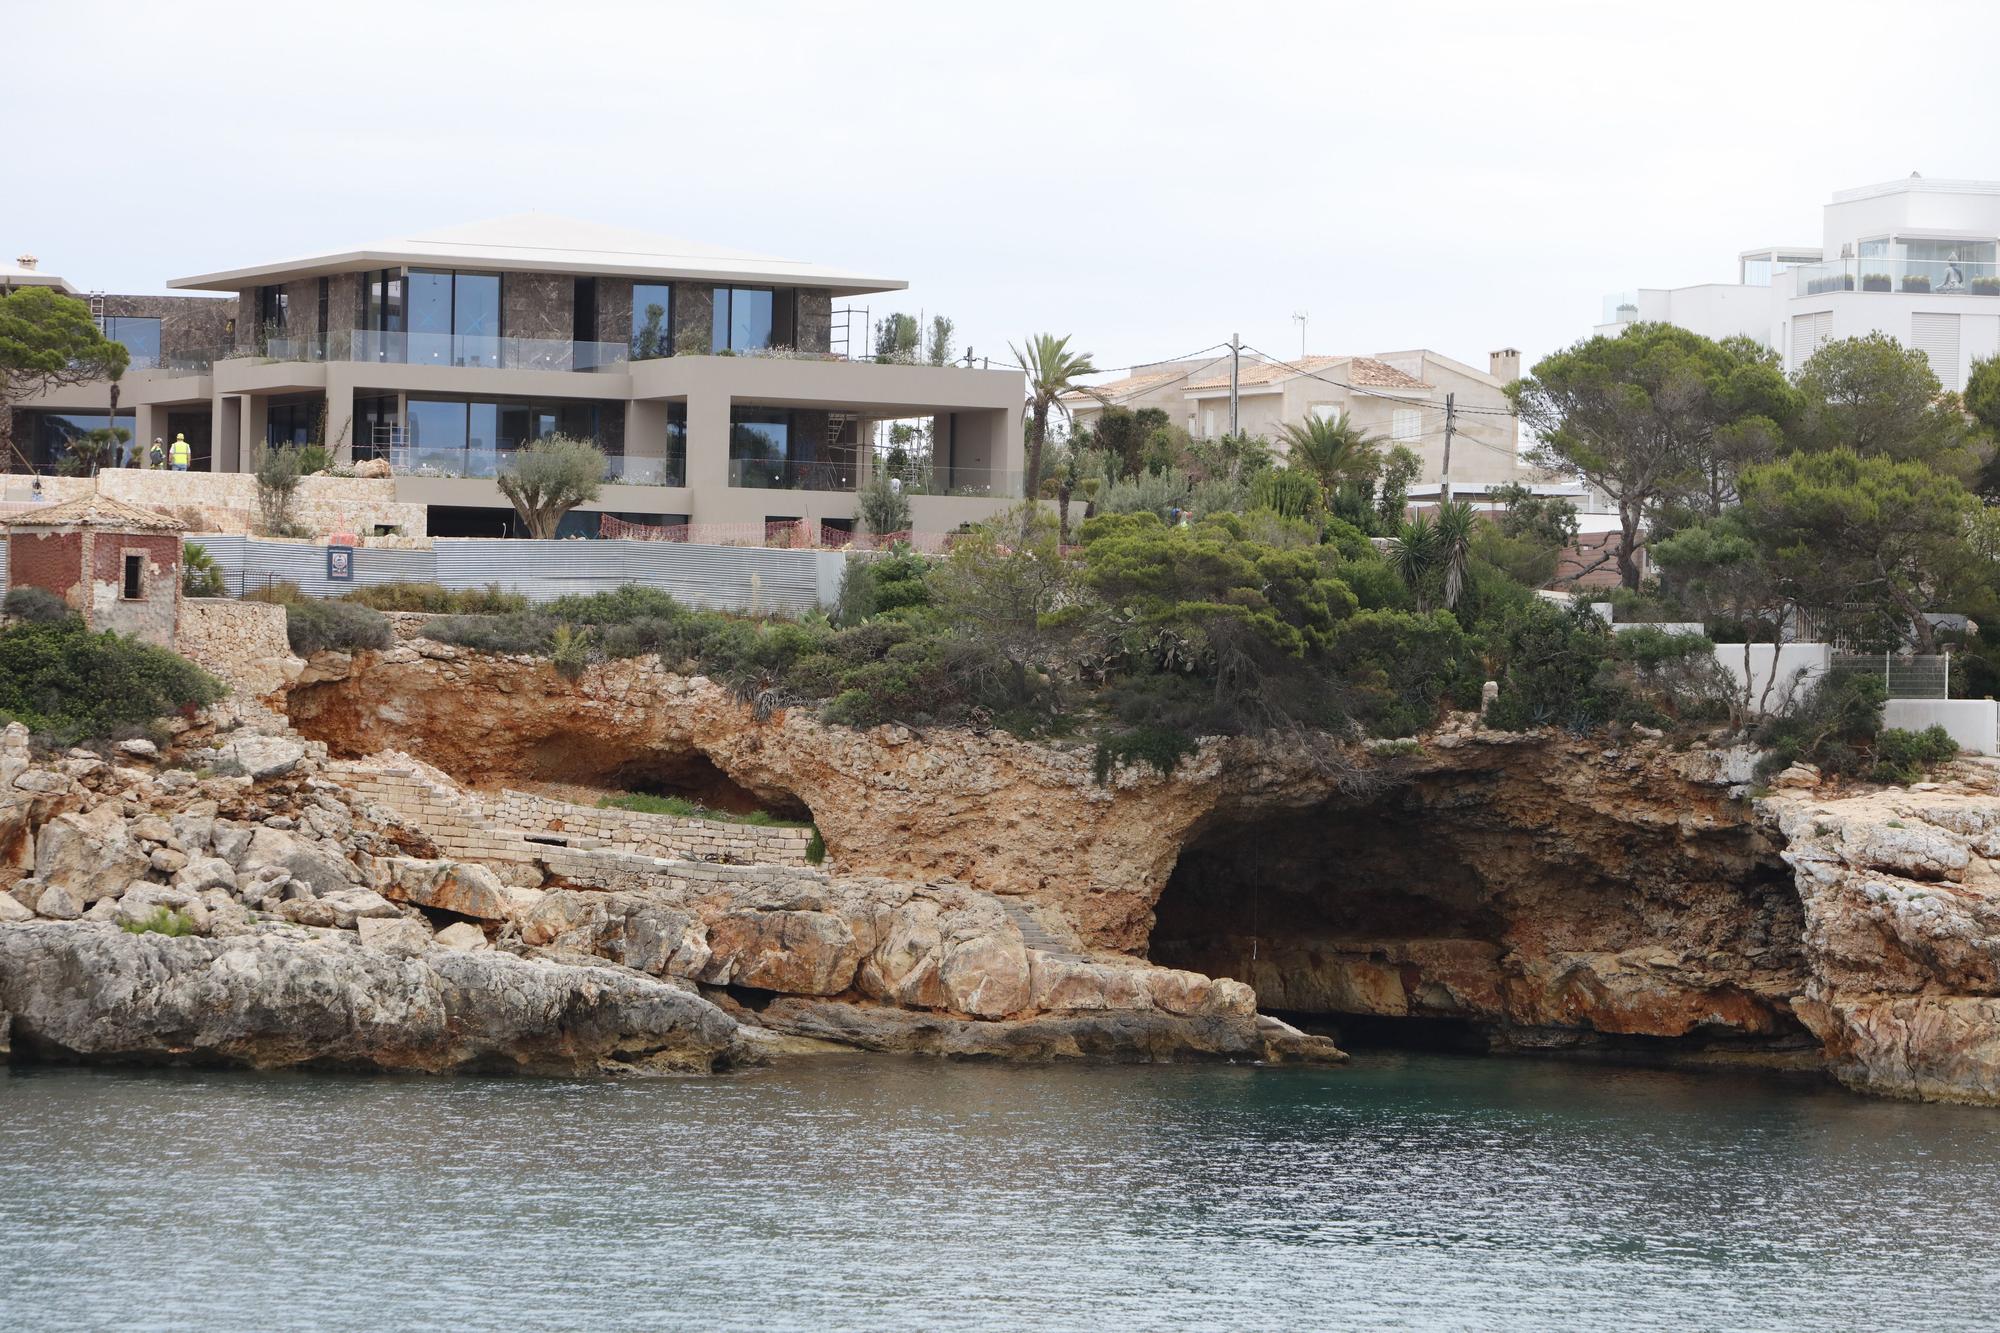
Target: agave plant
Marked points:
1412	554
1453	546
1433	553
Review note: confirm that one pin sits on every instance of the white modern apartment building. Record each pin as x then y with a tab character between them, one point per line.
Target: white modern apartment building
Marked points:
1398	396
1915	259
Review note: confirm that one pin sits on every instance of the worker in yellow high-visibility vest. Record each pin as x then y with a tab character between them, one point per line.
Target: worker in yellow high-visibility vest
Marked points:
180	453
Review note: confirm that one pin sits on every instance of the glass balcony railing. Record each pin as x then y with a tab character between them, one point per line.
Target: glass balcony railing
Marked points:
482	461
784	474
982	482
444	349
1951	277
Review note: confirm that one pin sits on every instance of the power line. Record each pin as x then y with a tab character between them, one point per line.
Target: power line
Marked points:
1374	393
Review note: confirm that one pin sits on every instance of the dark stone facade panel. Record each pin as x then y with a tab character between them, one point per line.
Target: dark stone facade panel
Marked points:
694	313
246	319
189	325
815	307
538	305
614	310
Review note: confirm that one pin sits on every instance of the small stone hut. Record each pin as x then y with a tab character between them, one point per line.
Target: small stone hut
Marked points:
118	565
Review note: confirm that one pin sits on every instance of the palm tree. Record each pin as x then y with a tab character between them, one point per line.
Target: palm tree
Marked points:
1454	528
1412	554
1333	449
1053	370
1433	554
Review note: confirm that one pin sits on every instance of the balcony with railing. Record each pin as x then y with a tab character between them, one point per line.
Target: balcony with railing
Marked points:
443	349
484	461
1941	277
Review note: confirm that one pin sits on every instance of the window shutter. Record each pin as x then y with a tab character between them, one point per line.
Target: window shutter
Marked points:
1809	334
1936	336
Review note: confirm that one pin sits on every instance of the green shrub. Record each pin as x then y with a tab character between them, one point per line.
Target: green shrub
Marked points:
163	921
1903	757
1834	727
37	606
438	600
1161	747
200	575
815	848
633	601
315	626
1552	674
872	585
71	685
569	650
1401	669
527	633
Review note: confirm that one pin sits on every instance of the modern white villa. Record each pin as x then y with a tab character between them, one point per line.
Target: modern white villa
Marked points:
1914	258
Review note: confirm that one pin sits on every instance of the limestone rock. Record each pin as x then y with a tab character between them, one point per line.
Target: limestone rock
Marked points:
312	863
455	886
350	906
59	904
209	872
986	977
11	910
462	935
397	934
267	1001
138	747
91	855
793	952
260	757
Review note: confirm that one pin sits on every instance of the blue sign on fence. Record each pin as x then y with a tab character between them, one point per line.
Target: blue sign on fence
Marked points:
340	564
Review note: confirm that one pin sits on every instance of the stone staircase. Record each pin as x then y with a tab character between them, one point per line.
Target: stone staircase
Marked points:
1036	935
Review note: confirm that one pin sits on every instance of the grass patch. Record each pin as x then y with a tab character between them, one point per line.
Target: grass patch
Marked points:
641	803
163	921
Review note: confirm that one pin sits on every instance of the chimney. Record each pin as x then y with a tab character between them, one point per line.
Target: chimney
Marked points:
1505	364
27	262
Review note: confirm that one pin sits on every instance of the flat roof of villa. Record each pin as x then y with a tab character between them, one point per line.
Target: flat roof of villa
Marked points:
547	243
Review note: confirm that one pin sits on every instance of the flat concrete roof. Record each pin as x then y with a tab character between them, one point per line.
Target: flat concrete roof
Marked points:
547	243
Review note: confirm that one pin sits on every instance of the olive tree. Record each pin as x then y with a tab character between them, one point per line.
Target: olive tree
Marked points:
551	477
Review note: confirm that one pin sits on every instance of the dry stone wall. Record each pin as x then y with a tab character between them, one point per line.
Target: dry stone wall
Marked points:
227	501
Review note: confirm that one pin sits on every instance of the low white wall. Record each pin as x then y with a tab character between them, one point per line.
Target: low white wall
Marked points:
1971	722
1797	665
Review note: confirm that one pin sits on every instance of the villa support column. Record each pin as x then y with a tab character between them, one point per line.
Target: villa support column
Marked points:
147	421
225	434
256	416
646	440
340	412
707	443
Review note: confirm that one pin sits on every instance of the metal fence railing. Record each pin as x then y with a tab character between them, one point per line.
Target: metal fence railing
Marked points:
1907	675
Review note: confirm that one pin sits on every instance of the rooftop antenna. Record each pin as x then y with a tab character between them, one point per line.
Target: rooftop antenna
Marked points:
1301	316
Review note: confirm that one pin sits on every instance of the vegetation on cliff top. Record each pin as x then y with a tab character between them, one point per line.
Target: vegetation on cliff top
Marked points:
68	684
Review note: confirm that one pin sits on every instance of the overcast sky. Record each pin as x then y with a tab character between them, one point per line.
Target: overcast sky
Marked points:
1146	177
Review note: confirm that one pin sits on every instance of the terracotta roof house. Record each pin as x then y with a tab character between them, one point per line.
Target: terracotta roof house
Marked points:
115	564
1398	396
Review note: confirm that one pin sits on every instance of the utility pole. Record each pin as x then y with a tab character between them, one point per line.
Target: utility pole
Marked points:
1235	365
1444	477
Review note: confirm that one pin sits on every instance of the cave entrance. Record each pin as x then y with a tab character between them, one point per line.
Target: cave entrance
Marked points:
1436	917
693	776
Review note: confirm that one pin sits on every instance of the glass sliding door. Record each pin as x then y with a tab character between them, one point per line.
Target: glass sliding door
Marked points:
475	319
429	309
746	319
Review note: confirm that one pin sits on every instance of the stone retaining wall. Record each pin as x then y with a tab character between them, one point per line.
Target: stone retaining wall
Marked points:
227	501
240	643
521	827
657	835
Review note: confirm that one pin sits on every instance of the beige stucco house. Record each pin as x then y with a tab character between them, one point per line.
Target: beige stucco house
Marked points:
717	382
1400	396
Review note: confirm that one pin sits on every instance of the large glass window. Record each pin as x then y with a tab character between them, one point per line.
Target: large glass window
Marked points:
652	320
292	421
475	438
140	336
746	319
53	438
437	436
274	306
759	447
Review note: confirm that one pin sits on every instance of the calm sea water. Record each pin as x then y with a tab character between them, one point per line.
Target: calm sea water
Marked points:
1405	1191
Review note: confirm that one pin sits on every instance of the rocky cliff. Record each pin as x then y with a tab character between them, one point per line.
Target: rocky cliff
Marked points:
1537	891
